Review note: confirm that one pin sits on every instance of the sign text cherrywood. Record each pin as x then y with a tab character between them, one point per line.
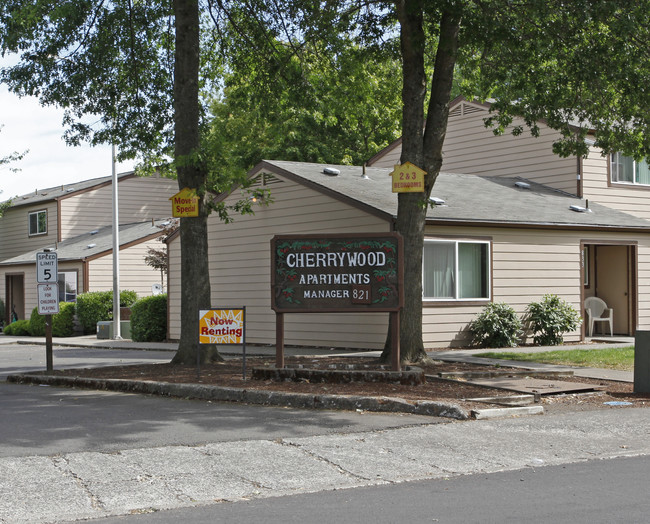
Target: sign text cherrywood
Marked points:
332	273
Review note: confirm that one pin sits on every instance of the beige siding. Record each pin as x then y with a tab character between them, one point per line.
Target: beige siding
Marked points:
174	289
31	292
135	275
240	269
473	149
526	265
624	197
140	198
14	230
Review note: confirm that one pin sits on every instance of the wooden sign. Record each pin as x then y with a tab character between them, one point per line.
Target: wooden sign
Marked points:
332	273
408	178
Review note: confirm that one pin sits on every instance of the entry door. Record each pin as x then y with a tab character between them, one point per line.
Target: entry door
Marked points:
15	296
614	283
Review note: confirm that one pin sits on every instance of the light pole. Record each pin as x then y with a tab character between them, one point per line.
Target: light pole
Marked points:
116	253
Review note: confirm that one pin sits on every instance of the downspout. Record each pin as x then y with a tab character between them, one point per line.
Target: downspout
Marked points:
579	181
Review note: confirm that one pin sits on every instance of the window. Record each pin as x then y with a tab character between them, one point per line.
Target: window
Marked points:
38	223
455	270
629	171
67	286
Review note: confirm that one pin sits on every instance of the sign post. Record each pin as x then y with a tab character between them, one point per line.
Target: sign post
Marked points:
47	267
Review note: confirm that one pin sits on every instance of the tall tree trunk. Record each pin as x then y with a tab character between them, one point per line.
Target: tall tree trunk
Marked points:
422	147
195	276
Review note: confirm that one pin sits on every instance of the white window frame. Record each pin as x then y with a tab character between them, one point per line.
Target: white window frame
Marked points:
616	163
488	270
29	223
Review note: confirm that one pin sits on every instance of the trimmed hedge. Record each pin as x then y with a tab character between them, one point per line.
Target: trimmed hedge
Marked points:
18	328
62	322
97	306
149	319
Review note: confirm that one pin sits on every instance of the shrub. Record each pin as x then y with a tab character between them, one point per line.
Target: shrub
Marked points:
36	324
497	326
550	319
149	319
62	322
97	306
18	328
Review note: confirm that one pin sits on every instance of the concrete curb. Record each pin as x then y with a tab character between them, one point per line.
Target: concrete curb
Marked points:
251	396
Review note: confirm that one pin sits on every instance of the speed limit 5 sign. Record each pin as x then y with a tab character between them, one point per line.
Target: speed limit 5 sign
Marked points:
47	266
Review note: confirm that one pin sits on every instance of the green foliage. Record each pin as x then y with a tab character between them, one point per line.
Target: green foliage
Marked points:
111	60
62	322
609	358
36	324
97	306
18	328
149	319
320	107
497	326
550	319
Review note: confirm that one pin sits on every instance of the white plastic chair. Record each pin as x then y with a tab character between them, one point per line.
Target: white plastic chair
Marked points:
597	311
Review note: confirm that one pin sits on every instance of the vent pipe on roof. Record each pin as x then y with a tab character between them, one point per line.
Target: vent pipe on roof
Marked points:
363	172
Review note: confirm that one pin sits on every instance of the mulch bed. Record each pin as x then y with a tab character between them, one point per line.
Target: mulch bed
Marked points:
229	374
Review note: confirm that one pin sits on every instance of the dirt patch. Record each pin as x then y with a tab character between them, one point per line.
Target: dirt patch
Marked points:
229	374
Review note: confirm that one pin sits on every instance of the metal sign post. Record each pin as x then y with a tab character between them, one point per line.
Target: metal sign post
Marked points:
47	267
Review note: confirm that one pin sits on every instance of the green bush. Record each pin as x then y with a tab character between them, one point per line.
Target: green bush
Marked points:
149	319
62	322
18	328
97	306
550	319
36	324
497	326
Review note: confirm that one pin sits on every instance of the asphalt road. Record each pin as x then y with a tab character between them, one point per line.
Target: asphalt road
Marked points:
598	491
70	454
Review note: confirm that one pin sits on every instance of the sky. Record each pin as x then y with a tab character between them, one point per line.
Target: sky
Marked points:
50	162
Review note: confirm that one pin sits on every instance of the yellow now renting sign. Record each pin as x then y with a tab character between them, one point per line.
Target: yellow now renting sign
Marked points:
221	326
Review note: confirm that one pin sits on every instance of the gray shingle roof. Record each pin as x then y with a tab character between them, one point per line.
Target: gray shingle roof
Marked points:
52	193
92	243
468	198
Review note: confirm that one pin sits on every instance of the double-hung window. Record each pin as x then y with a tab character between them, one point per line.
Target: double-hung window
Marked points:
626	170
456	270
38	223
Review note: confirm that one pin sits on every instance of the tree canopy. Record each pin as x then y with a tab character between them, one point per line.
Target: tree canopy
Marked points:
318	107
578	66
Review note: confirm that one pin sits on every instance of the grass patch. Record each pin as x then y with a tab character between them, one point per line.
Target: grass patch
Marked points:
609	358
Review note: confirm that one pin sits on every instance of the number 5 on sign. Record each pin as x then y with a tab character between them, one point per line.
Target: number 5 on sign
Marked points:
47	264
